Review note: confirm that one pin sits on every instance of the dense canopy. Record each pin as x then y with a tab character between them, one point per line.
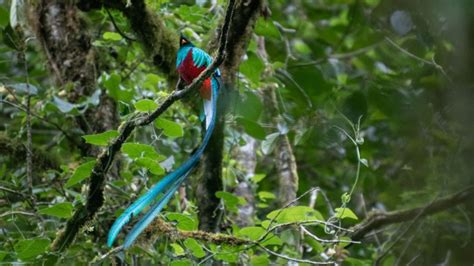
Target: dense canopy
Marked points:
344	132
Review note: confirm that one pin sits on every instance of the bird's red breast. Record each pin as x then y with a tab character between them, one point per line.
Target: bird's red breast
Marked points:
189	71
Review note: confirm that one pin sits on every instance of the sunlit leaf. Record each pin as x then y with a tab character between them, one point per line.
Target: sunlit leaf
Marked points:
152	165
252	68
111	36
61	210
170	128
265	27
178	250
184	222
101	139
82	172
295	214
343	213
30	248
195	248
145	105
255	233
231	201
138	150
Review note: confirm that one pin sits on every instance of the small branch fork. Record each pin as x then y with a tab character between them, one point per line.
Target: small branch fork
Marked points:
97	178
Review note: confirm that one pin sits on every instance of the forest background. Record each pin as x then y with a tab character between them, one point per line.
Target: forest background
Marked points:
344	134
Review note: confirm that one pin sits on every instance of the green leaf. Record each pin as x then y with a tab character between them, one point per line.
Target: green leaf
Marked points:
258	177
24	88
3	254
185	222
261	260
183	262
254	233
252	68
145	105
177	249
11	38
138	150
101	139
231	201
112	36
249	99
170	128
62	105
61	210
264	195
151	81
266	28
252	128
301	47
228	254
112	83
3	17
195	248
355	106
343	213
30	248
295	214
360	262
82	172
152	165
269	143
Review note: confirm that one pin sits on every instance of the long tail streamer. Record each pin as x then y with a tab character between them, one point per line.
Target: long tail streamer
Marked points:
169	184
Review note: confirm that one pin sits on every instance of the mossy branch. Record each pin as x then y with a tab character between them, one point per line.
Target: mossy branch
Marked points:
159	42
378	219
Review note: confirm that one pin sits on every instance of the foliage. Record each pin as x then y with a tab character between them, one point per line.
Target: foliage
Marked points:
374	96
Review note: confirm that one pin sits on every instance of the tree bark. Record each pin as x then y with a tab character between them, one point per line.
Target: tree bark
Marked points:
243	22
63	36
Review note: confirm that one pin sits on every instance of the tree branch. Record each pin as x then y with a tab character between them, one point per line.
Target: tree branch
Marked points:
378	219
159	227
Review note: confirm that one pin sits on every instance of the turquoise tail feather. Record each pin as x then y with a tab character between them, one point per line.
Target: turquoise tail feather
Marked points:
169	184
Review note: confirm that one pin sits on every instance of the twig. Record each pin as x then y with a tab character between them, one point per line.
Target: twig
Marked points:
430	63
281	210
106	255
306	231
17	212
117	28
13	191
294	259
307	222
337	56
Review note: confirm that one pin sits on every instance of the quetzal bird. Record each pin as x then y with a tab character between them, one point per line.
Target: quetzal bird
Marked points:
190	62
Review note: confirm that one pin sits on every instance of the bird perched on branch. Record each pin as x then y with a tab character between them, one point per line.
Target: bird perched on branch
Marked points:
190	62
